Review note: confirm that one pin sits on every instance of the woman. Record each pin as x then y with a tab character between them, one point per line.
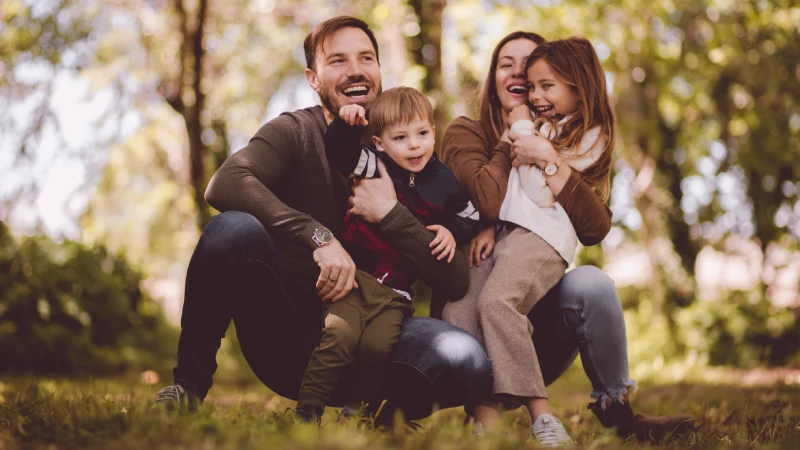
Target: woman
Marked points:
582	313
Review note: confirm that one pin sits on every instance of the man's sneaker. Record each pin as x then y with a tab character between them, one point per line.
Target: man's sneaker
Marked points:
176	397
311	414
549	432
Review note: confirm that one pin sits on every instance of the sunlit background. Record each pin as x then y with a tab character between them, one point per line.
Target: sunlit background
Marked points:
116	113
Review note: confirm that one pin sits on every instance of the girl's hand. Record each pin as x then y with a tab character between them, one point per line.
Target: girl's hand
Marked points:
481	246
521	112
532	149
444	242
353	115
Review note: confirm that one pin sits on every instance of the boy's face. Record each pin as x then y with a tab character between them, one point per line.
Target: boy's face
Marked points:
410	145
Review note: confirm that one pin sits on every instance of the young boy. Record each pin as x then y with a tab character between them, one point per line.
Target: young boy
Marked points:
366	323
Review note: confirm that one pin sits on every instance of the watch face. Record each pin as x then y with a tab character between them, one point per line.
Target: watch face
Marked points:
324	235
550	169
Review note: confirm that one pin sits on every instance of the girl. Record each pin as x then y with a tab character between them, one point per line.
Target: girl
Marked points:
567	91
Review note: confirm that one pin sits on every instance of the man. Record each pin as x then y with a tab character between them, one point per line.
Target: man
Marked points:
272	257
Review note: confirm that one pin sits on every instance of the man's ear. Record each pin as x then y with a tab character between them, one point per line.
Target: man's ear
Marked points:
313	81
378	143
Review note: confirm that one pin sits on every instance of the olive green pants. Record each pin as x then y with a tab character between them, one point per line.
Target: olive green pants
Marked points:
363	326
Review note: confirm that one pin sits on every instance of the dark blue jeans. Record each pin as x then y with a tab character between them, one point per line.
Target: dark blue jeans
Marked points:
235	274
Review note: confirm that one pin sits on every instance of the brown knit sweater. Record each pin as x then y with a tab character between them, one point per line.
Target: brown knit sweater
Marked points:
283	178
482	171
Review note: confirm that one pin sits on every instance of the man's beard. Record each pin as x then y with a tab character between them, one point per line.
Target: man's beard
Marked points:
331	102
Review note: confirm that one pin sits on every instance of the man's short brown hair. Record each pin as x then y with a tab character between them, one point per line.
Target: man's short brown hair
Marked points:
399	105
314	40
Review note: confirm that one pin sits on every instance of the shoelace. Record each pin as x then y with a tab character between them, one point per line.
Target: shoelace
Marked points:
547	436
170	393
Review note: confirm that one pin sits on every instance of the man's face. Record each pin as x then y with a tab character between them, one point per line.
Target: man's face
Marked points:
347	71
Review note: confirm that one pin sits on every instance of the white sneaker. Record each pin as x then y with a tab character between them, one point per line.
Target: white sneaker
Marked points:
477	429
549	432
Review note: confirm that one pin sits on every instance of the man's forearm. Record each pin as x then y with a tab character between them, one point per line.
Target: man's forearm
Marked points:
237	186
404	233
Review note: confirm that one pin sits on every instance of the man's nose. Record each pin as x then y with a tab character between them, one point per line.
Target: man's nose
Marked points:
354	69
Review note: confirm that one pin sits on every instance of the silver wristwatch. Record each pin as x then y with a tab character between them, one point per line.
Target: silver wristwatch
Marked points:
322	236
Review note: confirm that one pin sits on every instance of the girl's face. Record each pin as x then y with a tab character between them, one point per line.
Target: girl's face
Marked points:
510	73
549	95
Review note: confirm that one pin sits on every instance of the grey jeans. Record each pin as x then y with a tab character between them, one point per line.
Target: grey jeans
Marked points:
582	315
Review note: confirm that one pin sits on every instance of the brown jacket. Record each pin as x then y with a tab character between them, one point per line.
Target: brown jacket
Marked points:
482	171
283	178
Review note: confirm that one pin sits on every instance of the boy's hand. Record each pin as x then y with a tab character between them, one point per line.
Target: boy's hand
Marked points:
521	112
354	115
444	242
481	246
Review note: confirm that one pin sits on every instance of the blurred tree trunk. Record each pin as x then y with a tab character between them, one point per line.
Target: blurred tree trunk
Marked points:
426	50
185	94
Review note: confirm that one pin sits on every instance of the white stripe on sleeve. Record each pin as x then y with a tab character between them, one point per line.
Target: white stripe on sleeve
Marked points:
362	162
469	212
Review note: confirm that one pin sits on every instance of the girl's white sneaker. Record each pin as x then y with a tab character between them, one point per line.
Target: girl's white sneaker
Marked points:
549	432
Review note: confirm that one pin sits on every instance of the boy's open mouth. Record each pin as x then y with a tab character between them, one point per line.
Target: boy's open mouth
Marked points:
356	91
414	161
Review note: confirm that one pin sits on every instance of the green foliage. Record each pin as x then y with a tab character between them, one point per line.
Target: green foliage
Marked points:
742	329
66	308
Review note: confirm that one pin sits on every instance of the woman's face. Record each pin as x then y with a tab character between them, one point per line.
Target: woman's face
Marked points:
512	89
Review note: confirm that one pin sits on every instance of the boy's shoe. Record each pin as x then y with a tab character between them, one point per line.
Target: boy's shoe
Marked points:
176	397
549	432
645	428
312	414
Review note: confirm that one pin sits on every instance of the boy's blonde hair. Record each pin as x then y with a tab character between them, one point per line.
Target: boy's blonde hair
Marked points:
398	105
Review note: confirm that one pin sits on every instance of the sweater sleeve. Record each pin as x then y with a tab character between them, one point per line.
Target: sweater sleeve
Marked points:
482	172
243	182
590	217
404	233
345	152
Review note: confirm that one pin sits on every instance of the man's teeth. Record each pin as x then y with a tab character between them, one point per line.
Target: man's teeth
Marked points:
357	90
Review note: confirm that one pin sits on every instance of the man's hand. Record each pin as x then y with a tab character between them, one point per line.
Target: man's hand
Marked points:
354	115
337	271
521	112
481	246
373	199
444	242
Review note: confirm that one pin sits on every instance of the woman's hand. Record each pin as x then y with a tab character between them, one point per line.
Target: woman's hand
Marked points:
444	242
481	246
532	149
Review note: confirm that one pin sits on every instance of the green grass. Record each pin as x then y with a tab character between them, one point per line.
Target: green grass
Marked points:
116	413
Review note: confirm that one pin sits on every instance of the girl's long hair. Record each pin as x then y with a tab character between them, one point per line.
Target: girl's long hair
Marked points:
574	62
491	111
